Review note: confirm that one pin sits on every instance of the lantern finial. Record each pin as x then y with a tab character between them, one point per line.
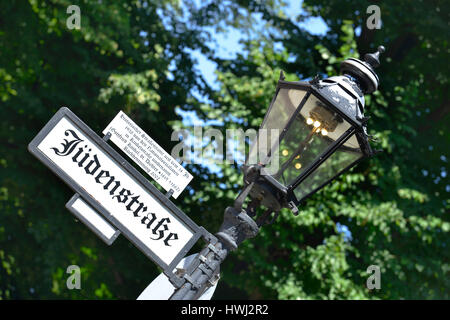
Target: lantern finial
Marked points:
374	58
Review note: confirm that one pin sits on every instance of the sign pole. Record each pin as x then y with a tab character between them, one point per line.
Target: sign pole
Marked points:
236	227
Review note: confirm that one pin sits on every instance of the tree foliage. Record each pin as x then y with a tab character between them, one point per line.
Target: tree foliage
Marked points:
134	55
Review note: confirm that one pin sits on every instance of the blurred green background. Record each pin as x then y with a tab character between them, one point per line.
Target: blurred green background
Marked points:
145	58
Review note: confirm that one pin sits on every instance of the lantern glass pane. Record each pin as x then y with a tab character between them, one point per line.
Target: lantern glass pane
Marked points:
315	128
342	158
277	118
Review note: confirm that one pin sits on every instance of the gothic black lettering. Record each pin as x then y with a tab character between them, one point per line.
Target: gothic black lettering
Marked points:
139	207
111	192
161	232
88	166
147	221
123	195
102	174
92	165
68	146
75	157
171	236
80	164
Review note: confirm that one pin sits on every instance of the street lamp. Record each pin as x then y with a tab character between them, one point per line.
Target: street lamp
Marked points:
320	132
312	132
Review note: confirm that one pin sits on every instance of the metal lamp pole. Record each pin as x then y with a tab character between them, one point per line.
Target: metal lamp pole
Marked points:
237	226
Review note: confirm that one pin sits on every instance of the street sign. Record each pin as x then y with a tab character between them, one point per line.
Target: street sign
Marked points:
113	190
153	159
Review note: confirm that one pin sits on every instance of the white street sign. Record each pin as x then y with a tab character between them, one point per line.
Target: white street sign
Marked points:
121	195
111	196
153	159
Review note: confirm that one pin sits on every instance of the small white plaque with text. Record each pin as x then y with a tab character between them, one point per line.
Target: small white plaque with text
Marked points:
144	151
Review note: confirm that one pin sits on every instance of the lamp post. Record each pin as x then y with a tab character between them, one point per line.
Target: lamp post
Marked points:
317	131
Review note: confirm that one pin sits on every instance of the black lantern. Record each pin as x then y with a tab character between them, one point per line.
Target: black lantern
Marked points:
313	132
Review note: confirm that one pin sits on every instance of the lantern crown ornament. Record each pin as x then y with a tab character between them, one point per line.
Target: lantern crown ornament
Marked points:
363	71
313	131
